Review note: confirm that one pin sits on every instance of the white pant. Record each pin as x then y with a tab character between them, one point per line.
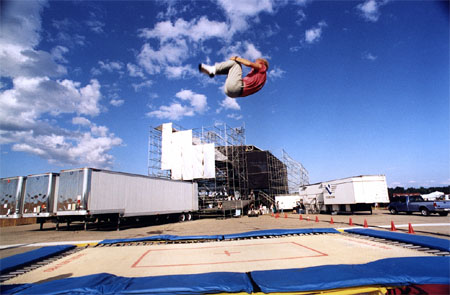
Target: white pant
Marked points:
234	84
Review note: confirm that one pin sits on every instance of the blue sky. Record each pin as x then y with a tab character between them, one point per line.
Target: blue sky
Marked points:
354	87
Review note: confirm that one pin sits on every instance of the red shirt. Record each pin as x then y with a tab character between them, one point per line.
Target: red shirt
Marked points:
254	81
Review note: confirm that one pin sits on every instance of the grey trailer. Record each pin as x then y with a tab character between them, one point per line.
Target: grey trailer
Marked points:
11	190
39	197
89	194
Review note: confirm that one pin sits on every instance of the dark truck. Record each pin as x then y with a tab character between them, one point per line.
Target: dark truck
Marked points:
410	204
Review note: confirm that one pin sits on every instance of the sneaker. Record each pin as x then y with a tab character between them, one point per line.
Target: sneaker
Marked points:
205	69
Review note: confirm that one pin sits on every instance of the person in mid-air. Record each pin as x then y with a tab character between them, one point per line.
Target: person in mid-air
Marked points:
235	85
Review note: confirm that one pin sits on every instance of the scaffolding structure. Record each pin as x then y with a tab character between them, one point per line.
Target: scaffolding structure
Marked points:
231	171
241	171
278	176
231	181
297	175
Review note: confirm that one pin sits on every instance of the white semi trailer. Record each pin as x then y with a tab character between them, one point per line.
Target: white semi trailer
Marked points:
350	194
87	194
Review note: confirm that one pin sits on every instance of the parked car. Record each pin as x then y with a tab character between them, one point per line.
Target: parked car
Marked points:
410	204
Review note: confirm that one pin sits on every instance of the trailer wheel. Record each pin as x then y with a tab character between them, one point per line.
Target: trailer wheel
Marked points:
182	217
189	216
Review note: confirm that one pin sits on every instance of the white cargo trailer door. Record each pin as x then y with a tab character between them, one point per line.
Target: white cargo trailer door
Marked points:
371	189
108	192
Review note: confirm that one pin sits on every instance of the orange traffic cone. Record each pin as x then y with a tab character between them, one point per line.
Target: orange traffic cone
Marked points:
350	221
278	215
393	226
317	219
301	217
331	221
273	215
365	223
410	229
285	215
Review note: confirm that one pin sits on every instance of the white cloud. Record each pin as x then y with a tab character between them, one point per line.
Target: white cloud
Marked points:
117	102
369	56
170	54
179	39
111	66
302	2
197	104
195	30
58	52
80	149
314	34
138	86
21	23
81	121
197	101
108	66
17	60
301	17
370	9
179	71
276	73
175	111
235	116
239	13
31	108
230	104
135	71
30	98
244	49
96	26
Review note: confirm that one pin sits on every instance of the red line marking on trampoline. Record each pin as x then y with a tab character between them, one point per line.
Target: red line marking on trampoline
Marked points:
368	244
136	264
226	253
62	263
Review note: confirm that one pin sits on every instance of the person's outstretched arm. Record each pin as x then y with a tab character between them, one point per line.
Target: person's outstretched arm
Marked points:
246	62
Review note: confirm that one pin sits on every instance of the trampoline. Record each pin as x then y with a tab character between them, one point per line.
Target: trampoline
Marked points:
265	261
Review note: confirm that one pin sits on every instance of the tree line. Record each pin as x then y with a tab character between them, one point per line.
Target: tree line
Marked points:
420	190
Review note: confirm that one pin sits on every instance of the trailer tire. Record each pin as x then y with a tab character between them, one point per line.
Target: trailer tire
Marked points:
424	211
182	218
189	216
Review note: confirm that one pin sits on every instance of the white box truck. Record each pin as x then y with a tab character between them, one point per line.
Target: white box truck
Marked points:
287	202
350	194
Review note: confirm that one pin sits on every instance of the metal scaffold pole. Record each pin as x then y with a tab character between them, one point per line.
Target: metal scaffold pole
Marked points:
297	174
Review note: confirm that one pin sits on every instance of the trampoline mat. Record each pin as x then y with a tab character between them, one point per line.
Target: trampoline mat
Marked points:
225	256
